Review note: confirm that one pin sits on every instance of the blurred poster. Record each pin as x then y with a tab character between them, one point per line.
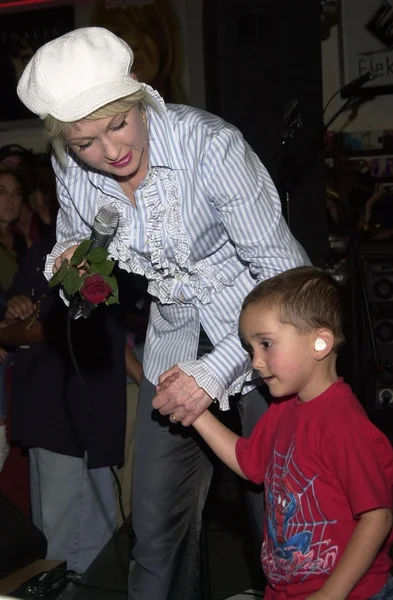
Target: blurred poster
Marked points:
152	30
21	34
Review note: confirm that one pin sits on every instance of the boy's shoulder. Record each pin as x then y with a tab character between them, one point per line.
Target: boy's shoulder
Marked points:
343	415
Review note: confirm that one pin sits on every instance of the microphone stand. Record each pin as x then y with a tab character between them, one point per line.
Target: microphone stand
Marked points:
286	180
293	123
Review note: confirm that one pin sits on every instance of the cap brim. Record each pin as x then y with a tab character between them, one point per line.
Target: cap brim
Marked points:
91	100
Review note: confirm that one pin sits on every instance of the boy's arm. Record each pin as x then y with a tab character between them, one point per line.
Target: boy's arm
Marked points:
220	439
360	553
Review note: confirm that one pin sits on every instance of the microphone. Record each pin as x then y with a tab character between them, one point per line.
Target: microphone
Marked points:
103	230
354	86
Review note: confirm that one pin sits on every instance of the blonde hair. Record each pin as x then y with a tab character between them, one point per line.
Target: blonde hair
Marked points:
55	130
305	297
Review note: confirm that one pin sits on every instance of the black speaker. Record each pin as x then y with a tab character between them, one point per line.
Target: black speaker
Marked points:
21	542
262	56
375	323
379	278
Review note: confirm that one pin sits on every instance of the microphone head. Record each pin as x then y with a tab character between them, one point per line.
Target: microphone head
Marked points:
107	220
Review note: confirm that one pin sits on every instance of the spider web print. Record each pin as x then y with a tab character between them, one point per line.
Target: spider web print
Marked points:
297	543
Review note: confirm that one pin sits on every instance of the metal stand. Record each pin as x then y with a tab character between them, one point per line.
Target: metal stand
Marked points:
293	123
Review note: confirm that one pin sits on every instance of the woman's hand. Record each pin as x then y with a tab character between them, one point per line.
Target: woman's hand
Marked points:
3	355
179	395
68	254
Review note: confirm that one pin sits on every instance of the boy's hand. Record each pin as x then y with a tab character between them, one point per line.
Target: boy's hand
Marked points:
3	355
320	595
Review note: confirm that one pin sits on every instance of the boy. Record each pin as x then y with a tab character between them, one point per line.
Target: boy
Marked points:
328	472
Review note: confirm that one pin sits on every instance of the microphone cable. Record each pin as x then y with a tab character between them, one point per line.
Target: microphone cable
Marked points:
128	526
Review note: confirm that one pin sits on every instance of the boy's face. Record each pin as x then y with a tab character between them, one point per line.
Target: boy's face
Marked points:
283	357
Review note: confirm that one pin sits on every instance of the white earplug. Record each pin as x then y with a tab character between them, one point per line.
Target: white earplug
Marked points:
320	345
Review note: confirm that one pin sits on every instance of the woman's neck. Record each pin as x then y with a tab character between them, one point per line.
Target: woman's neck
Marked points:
131	183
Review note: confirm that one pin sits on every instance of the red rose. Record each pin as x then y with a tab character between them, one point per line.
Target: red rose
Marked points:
95	289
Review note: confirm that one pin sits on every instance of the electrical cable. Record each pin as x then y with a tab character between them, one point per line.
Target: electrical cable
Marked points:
82	382
330	100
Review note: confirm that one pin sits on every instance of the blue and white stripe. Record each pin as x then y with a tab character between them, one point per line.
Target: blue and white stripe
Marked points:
207	228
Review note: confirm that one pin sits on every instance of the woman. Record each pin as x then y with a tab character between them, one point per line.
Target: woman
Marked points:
201	219
13	246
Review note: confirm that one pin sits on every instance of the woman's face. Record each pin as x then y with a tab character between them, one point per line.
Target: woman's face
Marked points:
11	198
115	145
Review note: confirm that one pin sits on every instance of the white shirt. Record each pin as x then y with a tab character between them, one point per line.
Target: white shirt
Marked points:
207	227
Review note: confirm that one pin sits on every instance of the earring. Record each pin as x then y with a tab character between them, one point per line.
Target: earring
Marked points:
320	345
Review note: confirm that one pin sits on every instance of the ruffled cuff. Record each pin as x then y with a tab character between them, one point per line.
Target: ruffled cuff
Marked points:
58	249
209	382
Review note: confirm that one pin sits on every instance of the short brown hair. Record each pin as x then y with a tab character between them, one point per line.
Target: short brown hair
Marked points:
305	297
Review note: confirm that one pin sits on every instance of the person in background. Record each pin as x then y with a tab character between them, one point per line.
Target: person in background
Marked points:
134	370
72	436
153	31
327	470
13	246
201	219
17	157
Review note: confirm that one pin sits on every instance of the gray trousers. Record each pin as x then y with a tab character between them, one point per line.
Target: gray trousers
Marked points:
172	475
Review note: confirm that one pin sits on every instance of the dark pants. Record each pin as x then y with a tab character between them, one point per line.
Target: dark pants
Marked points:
386	593
172	475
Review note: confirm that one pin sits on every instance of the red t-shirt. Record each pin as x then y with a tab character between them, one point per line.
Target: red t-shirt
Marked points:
323	464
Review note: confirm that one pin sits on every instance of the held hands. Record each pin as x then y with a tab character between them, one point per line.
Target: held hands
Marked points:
179	395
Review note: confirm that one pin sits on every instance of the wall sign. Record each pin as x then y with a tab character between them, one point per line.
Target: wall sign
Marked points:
366	30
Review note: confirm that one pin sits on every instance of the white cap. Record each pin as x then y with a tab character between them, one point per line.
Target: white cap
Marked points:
77	73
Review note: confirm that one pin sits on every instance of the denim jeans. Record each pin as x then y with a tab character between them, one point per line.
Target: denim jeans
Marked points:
386	593
75	507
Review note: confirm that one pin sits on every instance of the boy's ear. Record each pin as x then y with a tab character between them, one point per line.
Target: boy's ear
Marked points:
133	76
323	343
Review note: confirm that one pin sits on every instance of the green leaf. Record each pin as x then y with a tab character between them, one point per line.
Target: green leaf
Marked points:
113	283
80	253
97	255
112	300
60	274
103	268
72	281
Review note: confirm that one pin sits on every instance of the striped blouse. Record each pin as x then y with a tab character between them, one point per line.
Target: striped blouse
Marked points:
207	227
